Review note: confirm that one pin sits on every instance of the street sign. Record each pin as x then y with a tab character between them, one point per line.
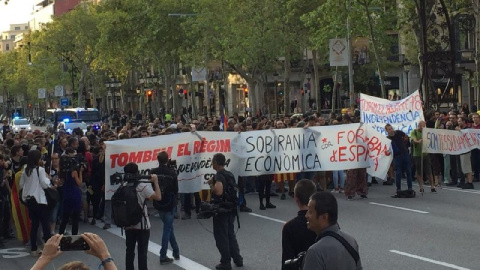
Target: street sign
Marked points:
41	93
64	102
59	90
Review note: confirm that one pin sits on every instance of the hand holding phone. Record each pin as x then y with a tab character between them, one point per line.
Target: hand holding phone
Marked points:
73	243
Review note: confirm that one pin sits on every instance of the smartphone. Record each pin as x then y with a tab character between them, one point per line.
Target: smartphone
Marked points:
73	243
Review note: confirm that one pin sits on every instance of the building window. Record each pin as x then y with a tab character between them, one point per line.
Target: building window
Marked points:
17	28
7	47
26	27
12	37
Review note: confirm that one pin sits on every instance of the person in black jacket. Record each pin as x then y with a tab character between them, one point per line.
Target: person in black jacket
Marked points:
401	157
296	237
167	207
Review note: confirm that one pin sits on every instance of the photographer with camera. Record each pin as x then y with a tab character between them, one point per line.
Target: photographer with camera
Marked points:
72	194
167	207
224	193
140	232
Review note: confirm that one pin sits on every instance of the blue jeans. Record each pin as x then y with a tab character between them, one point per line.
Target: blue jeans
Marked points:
336	176
168	235
403	163
304	175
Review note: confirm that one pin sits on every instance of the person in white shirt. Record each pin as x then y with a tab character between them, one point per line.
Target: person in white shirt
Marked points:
140	233
33	181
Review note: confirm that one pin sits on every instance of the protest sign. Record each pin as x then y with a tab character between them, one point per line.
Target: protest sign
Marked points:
330	148
402	114
453	142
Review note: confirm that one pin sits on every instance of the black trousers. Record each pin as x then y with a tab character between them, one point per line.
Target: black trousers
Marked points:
187	203
134	237
264	186
5	216
75	216
39	214
225	238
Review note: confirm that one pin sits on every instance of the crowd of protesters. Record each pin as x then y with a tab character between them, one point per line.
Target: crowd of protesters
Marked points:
82	192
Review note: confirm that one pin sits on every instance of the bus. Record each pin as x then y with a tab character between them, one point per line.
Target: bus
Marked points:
90	116
54	116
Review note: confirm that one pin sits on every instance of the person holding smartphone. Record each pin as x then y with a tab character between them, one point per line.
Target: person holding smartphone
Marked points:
96	247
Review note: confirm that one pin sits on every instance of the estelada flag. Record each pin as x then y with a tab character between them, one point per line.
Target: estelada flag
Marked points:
20	211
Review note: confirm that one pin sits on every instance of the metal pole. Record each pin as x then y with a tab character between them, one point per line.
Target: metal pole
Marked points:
408	92
350	64
276	101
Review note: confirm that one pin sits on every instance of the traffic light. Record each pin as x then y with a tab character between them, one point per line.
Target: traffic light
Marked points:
149	95
302	91
245	90
185	93
29	105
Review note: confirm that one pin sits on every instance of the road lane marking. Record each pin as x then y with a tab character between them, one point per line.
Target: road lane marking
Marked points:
400	208
269	218
154	248
449	265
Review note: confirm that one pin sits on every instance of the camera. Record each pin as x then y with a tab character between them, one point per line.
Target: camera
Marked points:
208	209
119	178
172	165
72	163
297	262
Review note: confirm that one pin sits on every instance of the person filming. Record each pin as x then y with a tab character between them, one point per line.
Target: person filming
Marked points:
223	224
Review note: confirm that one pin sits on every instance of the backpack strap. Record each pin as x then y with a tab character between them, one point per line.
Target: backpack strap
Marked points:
344	242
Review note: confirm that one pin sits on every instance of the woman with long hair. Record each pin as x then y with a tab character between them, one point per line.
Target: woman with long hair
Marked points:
34	180
72	196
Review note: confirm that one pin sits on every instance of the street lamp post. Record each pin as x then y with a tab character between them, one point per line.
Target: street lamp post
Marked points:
113	84
406	68
149	80
308	76
275	76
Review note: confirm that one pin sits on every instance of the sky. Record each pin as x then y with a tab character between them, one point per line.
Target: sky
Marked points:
17	11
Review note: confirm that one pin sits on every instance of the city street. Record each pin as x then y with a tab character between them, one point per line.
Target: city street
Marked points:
428	232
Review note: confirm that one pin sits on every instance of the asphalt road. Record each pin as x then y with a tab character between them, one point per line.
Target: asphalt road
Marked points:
431	232
428	232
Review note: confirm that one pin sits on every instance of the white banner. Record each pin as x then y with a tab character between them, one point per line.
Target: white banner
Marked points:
451	142
328	148
402	114
339	52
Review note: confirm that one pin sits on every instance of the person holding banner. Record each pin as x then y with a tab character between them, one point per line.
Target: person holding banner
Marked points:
476	152
423	164
401	157
465	159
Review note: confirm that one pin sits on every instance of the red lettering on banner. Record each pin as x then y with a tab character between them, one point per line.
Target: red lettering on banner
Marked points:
212	146
180	149
121	159
339	136
341	153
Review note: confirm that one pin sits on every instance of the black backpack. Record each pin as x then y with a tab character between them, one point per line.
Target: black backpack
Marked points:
230	189
126	210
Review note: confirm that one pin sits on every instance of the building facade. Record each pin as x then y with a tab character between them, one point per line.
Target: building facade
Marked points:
9	37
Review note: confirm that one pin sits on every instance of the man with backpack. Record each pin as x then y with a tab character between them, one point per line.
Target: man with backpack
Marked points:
224	193
130	211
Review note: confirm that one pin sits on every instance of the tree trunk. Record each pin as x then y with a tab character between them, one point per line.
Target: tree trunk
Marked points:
286	84
316	80
81	86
